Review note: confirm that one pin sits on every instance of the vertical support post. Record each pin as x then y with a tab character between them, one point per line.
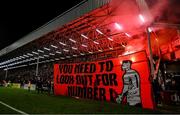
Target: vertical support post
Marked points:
6	73
37	66
150	52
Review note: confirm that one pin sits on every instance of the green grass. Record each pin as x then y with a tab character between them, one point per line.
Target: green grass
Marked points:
5	110
31	102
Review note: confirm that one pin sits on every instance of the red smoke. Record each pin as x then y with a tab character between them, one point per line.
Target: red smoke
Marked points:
126	11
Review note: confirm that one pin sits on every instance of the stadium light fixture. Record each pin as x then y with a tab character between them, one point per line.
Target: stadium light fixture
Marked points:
56	59
29	54
62	58
47	49
84	36
74	55
84	45
68	57
127	35
40	51
141	18
118	26
100	50
41	57
58	52
32	63
110	39
149	29
51	54
82	54
97	30
65	50
74	48
26	60
30	59
46	55
90	52
123	45
96	42
54	46
19	58
62	43
47	60
42	61
7	61
22	57
51	60
1	63
25	55
14	59
72	40
35	53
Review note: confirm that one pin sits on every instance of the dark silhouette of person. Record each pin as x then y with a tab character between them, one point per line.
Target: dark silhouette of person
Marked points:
49	86
39	85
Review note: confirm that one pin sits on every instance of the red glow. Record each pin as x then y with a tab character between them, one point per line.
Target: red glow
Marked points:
133	59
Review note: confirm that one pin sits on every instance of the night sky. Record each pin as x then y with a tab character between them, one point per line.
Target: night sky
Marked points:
20	17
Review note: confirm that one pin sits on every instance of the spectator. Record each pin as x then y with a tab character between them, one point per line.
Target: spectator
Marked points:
49	86
157	91
39	86
29	85
52	86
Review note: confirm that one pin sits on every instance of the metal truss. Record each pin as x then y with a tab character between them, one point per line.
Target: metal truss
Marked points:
90	35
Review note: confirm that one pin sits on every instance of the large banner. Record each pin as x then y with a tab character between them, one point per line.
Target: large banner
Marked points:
122	80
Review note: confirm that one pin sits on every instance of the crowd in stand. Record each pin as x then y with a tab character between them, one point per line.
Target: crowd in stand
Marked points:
27	75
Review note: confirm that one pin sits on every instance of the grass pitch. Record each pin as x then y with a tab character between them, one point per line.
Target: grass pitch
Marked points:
33	103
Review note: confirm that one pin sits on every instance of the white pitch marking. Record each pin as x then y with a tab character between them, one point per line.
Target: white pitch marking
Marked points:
19	111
